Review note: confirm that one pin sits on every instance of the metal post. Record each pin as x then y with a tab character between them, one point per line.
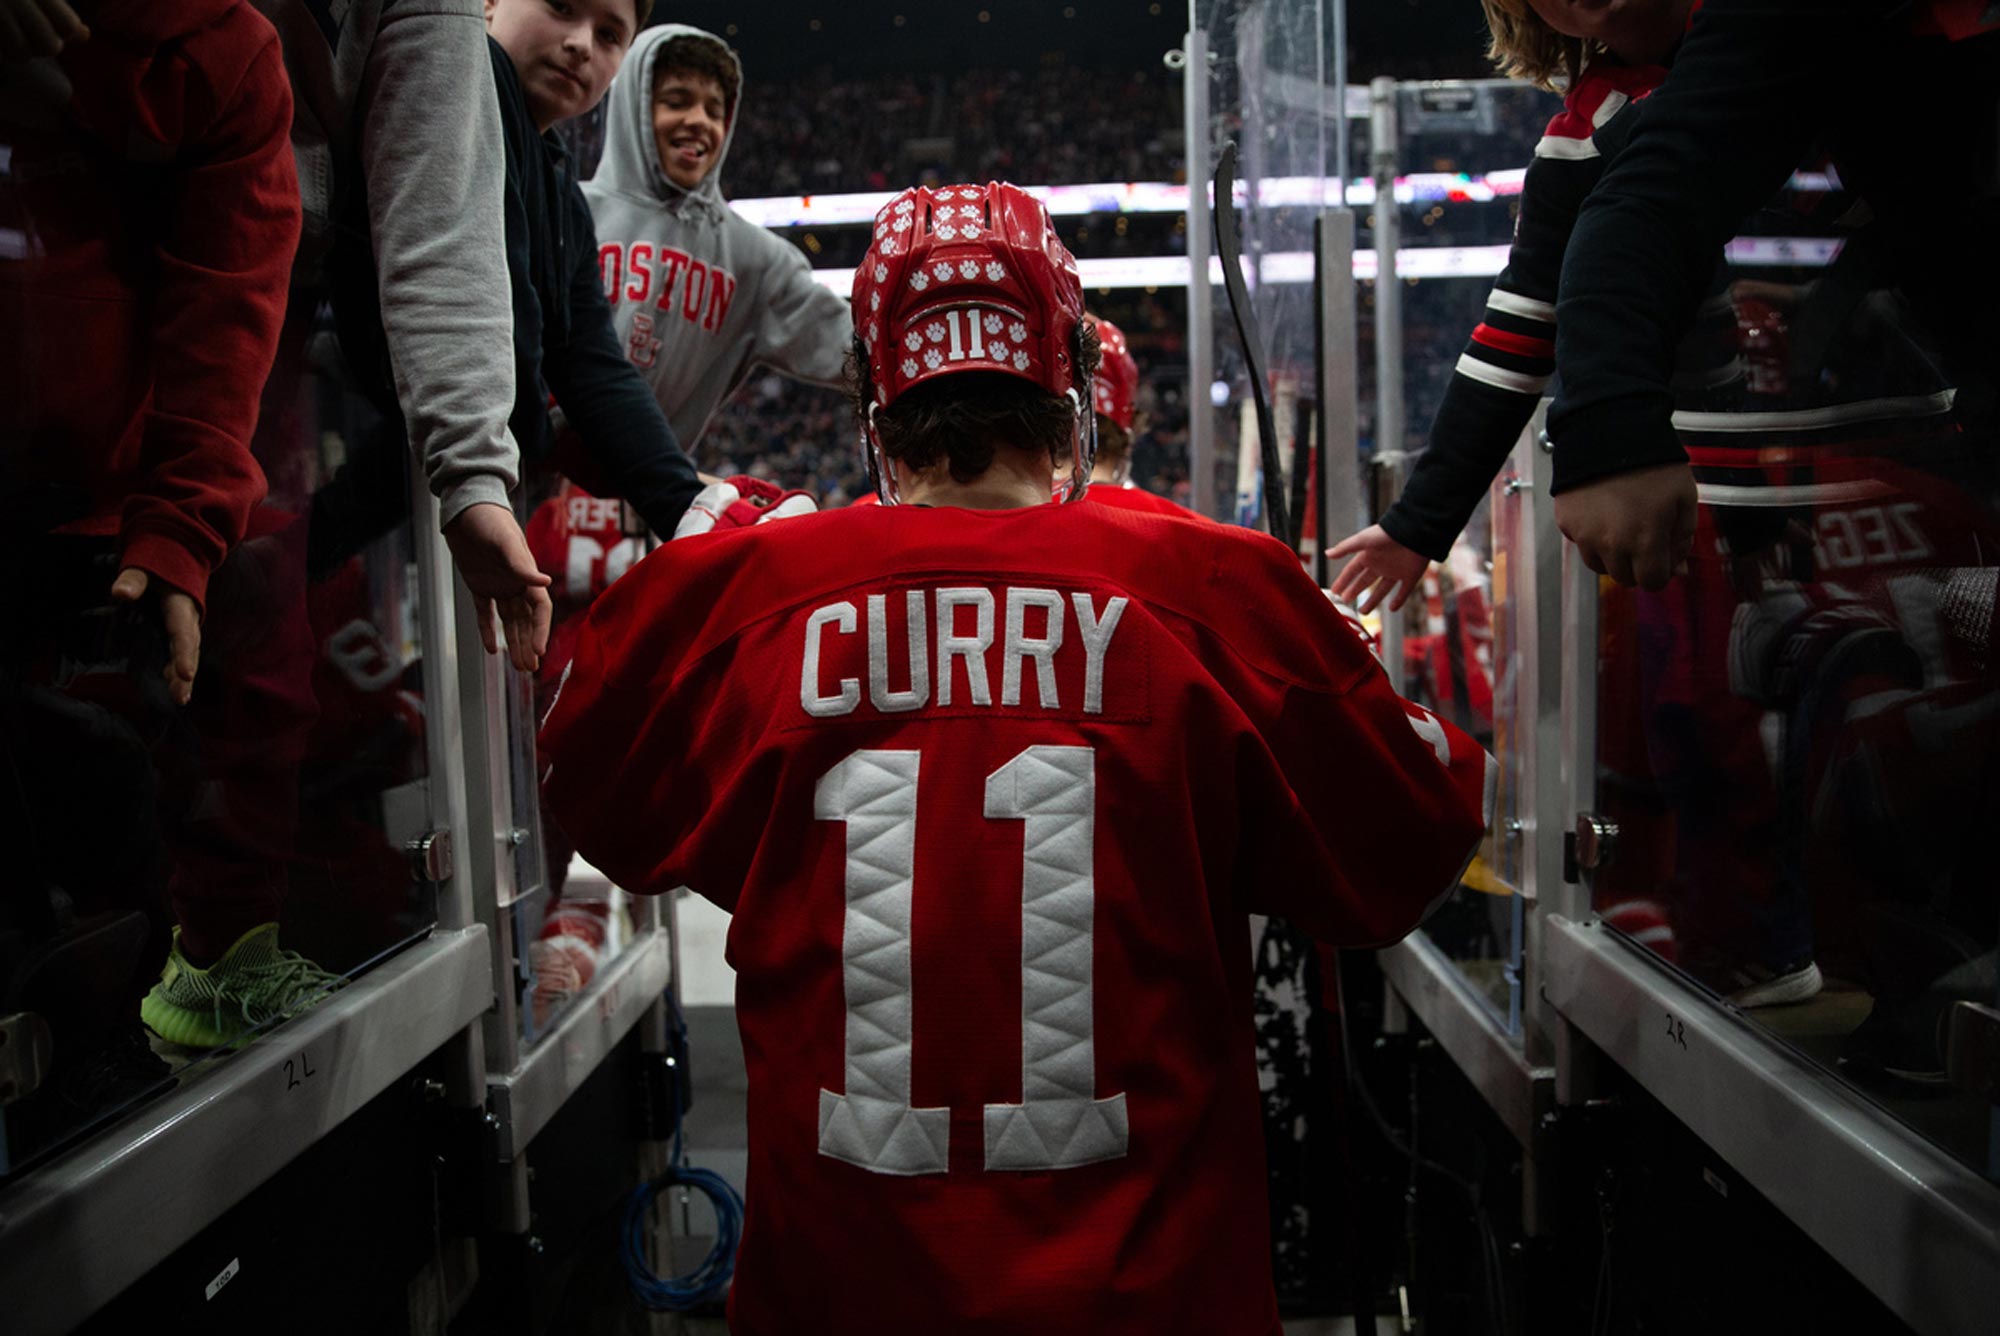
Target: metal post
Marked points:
1251	77
442	754
1341	166
1340	428
1201	308
464	1055
1340	509
1382	136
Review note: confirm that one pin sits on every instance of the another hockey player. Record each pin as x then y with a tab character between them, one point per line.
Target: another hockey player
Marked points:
699	295
990	784
1114	391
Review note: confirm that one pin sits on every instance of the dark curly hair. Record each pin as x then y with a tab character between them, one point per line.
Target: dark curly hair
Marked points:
965	418
705	57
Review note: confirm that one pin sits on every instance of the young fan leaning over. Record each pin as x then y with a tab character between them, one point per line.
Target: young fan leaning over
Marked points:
1610	59
553	60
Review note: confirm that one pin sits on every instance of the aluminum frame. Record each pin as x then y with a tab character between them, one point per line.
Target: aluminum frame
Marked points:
486	849
1544	778
1915	1226
1201	302
524	1084
437	585
1436	993
1339	389
1514	1072
76	1233
624	991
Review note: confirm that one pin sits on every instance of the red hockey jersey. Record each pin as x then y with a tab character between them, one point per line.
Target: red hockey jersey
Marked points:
989	794
1127	497
582	543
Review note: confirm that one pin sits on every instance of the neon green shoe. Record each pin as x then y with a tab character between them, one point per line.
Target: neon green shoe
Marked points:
255	982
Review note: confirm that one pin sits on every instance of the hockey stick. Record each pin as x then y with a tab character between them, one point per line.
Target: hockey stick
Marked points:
1229	249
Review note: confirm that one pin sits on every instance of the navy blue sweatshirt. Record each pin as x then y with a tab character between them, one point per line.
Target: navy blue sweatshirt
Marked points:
563	341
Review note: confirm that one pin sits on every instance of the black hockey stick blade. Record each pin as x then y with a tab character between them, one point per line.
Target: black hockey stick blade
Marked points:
1229	249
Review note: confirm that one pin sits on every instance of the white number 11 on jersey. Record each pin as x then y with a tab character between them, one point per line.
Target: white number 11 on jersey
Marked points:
1059	1123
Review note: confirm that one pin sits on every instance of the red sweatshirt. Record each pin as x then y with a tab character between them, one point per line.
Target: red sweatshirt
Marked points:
150	212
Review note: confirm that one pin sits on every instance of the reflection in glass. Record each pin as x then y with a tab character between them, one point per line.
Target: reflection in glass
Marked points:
1796	738
197	874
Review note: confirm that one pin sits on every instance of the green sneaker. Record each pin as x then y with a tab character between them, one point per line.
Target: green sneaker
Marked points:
255	982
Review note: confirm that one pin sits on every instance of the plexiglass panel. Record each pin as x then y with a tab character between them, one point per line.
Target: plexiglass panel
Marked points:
1461	151
1270	96
558	921
1796	737
1467	666
192	873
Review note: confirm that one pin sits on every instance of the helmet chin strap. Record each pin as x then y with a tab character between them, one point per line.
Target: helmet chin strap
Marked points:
1083	448
881	469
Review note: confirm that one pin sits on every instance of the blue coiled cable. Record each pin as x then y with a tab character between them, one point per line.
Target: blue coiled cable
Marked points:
709	1282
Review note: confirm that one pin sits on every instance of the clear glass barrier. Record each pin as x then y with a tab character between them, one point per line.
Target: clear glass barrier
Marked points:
559	922
1269	95
227	862
1463	635
1465	664
1796	738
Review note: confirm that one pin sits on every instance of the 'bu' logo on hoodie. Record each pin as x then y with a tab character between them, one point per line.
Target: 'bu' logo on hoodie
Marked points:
665	280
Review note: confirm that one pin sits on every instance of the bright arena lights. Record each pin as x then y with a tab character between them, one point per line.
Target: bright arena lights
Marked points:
1165	197
1416	262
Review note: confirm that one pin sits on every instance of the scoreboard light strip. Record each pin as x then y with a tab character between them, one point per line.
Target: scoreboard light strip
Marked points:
1419	262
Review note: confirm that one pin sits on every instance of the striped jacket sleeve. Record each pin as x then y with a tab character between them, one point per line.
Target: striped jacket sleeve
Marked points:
1507	362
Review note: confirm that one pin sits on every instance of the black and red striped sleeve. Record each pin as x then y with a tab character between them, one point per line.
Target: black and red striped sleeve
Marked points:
1507	362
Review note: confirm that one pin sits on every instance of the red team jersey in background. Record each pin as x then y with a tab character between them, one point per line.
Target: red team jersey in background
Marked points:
989	794
580	542
1127	497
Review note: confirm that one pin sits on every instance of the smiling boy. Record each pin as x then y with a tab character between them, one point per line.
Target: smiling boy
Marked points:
552	60
699	295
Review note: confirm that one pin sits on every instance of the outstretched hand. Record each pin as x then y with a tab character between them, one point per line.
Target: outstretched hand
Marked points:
33	28
1637	528
183	627
1380	570
493	557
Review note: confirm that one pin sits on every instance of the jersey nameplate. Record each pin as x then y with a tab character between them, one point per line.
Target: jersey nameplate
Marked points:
965	648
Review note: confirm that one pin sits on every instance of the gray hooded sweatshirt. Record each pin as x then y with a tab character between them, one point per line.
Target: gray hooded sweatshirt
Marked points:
699	296
401	92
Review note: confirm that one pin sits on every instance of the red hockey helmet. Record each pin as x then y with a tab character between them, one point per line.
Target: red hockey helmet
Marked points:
1116	384
968	278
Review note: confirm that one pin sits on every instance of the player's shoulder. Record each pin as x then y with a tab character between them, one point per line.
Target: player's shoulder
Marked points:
1238	591
1604	89
688	596
1126	497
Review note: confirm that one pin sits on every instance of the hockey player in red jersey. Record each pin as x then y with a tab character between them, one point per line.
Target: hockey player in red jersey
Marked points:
990	785
1114	390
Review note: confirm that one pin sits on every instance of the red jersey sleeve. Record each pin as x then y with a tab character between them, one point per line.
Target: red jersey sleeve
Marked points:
614	718
1361	808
